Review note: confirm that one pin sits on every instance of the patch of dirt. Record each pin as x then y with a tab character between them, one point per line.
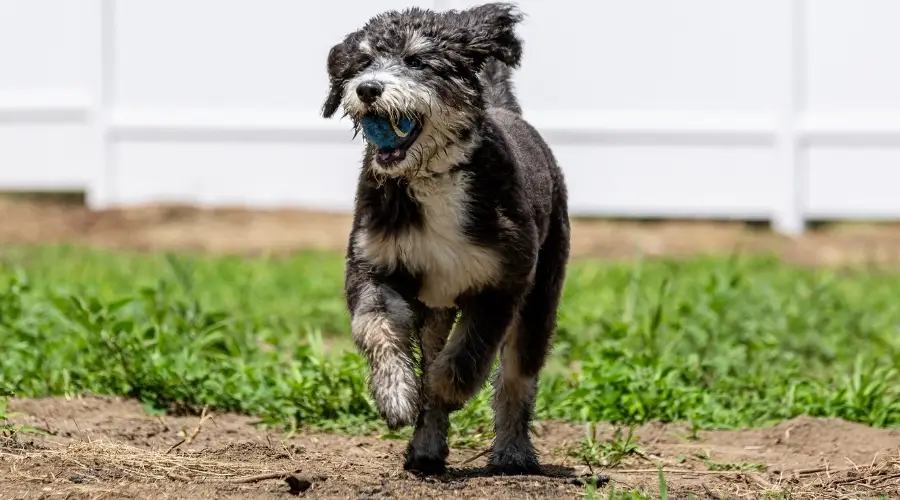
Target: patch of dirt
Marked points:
273	232
104	447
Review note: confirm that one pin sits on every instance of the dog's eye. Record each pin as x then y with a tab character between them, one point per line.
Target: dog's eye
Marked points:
413	62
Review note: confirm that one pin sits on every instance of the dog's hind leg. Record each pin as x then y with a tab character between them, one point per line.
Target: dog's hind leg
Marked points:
523	354
427	450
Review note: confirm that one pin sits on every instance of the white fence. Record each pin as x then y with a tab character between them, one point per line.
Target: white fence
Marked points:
785	110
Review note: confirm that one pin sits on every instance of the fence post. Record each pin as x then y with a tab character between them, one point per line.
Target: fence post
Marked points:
99	184
788	217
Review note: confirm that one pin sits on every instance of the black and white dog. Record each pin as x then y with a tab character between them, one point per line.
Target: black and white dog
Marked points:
466	217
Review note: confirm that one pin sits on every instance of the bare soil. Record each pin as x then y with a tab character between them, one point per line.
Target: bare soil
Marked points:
278	232
104	447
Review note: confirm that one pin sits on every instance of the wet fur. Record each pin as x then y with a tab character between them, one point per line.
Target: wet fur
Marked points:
471	229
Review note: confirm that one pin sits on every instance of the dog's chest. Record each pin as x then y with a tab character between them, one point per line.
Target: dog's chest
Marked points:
436	249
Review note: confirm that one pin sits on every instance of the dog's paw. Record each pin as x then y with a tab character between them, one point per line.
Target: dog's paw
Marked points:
395	390
398	405
516	463
424	463
397	411
395	421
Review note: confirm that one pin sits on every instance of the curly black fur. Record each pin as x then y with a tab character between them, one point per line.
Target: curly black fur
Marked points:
472	227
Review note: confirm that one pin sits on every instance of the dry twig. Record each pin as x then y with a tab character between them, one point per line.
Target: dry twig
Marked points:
260	477
193	435
475	456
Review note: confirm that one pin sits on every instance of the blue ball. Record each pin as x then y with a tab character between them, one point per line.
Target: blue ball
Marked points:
379	131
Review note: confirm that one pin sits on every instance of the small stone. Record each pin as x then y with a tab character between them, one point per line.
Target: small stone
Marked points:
297	485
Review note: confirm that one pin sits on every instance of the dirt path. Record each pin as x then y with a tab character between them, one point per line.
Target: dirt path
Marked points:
283	231
110	448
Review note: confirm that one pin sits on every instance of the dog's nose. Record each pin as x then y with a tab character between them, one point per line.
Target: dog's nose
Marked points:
369	90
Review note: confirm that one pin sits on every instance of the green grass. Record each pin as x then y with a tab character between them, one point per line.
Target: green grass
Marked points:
593	492
7	430
596	452
733	467
716	342
4	415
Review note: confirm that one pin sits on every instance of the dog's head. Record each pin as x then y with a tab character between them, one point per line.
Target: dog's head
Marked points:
422	65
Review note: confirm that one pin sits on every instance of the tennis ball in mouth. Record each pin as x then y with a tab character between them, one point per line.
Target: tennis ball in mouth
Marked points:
385	133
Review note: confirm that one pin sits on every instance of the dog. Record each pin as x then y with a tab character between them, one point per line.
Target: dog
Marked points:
462	226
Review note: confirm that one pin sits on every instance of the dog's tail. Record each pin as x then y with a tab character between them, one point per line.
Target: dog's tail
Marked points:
496	78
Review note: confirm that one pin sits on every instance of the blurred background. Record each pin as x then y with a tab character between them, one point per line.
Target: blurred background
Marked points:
678	124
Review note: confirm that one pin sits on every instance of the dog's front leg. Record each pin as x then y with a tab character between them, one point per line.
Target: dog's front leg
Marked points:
464	364
382	323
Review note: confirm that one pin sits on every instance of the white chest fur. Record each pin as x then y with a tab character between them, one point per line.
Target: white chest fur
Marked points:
438	250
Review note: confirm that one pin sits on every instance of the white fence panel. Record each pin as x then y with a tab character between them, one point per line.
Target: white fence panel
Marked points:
45	95
779	110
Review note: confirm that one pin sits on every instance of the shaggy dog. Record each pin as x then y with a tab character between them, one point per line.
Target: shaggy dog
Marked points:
462	224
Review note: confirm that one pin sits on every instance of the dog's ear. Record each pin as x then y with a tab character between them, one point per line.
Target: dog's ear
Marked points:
491	33
337	66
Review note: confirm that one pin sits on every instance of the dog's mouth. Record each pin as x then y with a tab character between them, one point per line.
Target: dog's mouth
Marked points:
391	136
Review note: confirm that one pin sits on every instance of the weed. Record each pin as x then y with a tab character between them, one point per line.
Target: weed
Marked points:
595	452
4	416
719	466
592	492
663	487
9	431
